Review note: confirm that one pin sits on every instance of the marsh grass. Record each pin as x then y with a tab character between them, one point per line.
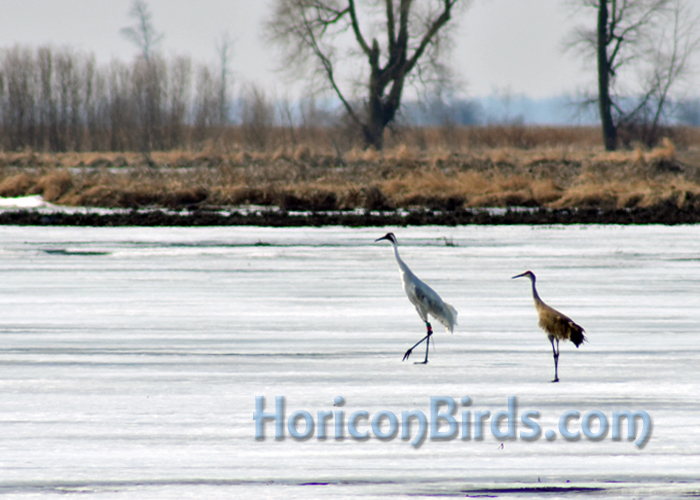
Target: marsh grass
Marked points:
555	172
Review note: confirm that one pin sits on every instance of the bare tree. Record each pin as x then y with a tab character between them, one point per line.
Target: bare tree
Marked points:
120	108
18	113
47	103
318	34
143	34
670	62
148	77
206	104
68	76
287	118
179	98
258	117
98	110
643	49
224	47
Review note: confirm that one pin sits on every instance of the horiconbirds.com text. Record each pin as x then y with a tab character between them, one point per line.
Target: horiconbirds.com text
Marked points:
445	419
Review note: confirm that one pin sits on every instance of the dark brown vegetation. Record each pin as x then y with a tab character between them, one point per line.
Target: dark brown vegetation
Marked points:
668	214
437	169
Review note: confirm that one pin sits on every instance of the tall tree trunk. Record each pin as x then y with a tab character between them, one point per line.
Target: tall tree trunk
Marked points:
604	101
381	109
380	112
374	134
373	128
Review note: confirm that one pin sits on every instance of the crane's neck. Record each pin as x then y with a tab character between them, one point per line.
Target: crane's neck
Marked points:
535	295
402	265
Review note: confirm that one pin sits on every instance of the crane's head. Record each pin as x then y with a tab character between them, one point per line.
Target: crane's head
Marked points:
387	236
529	274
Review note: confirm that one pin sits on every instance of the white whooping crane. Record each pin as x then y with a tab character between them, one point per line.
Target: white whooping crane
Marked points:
426	300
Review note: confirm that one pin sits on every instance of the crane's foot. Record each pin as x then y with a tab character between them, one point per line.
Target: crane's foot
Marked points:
408	353
555	380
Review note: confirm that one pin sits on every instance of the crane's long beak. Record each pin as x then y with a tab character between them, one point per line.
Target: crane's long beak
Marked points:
518	276
380	239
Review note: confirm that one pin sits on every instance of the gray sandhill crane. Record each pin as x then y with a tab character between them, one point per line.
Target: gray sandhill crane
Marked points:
426	300
556	325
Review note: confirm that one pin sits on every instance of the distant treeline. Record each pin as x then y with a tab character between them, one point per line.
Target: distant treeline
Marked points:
61	100
57	100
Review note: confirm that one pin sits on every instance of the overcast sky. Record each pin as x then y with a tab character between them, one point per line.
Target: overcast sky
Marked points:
503	45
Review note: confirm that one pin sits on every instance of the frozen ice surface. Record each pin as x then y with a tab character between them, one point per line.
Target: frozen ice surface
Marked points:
131	359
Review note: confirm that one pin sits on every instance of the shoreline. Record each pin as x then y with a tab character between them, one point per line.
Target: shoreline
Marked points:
666	214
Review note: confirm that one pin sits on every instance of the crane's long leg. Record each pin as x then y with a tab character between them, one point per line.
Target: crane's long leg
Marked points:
556	359
408	353
427	347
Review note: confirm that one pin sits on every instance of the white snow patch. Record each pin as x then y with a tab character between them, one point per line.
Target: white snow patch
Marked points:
34	201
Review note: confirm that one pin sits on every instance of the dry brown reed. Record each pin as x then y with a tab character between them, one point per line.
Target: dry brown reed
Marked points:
557	172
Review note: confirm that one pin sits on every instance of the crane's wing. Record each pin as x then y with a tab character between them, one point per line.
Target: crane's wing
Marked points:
450	315
561	326
426	300
431	303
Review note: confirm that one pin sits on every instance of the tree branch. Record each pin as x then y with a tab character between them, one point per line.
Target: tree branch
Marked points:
328	68
356	28
436	25
390	27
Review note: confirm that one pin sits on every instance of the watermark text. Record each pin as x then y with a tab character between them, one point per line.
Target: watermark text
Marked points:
445	420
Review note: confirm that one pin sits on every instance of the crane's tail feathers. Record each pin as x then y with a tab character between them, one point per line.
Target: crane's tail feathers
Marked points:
577	336
449	317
